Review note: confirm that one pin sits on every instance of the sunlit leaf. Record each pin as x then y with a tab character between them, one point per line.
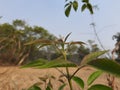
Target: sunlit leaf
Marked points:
75	5
57	63
62	87
83	7
106	65
35	63
93	77
91	57
67	10
50	64
99	87
79	81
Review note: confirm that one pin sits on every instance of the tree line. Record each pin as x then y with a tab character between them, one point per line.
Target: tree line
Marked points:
14	36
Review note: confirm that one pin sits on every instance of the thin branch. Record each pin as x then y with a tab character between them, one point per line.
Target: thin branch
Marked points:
61	72
93	25
76	71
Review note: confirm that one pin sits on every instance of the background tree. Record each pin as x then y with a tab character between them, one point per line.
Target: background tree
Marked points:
117	46
13	38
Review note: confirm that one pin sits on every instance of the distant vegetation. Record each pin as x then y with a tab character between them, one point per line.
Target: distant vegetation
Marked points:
13	38
13	50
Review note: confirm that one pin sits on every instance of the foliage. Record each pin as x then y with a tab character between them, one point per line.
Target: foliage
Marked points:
106	65
74	4
34	87
117	46
63	46
14	36
80	82
99	87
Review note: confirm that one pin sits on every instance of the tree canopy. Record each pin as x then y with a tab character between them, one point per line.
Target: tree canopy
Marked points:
13	38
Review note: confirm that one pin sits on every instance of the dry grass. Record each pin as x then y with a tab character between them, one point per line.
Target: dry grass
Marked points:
14	78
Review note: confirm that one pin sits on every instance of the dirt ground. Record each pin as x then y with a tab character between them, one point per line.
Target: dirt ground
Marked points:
15	78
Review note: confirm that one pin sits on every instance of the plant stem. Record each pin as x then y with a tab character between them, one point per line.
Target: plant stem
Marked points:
68	78
76	72
67	71
61	72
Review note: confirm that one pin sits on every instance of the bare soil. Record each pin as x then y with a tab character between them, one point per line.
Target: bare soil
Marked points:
15	78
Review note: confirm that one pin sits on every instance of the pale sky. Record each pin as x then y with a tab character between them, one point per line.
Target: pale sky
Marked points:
50	15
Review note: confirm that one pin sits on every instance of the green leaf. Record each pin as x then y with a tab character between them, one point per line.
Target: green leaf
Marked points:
91	57
106	65
67	4
35	63
99	87
58	63
83	7
48	88
79	81
67	10
93	77
34	87
50	64
89	6
75	5
85	1
62	87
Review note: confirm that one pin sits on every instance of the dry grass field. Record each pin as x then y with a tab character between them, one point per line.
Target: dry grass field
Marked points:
14	78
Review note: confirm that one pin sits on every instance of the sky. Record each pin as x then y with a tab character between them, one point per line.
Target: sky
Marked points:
49	14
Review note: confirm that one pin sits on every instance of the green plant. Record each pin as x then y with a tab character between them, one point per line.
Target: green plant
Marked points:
47	82
48	85
74	4
90	59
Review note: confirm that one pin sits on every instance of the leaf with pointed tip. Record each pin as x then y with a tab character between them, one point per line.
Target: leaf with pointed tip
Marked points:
62	87
99	87
57	63
89	6
79	81
77	42
67	10
91	57
75	5
35	63
66	5
106	65
67	37
83	7
93	77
